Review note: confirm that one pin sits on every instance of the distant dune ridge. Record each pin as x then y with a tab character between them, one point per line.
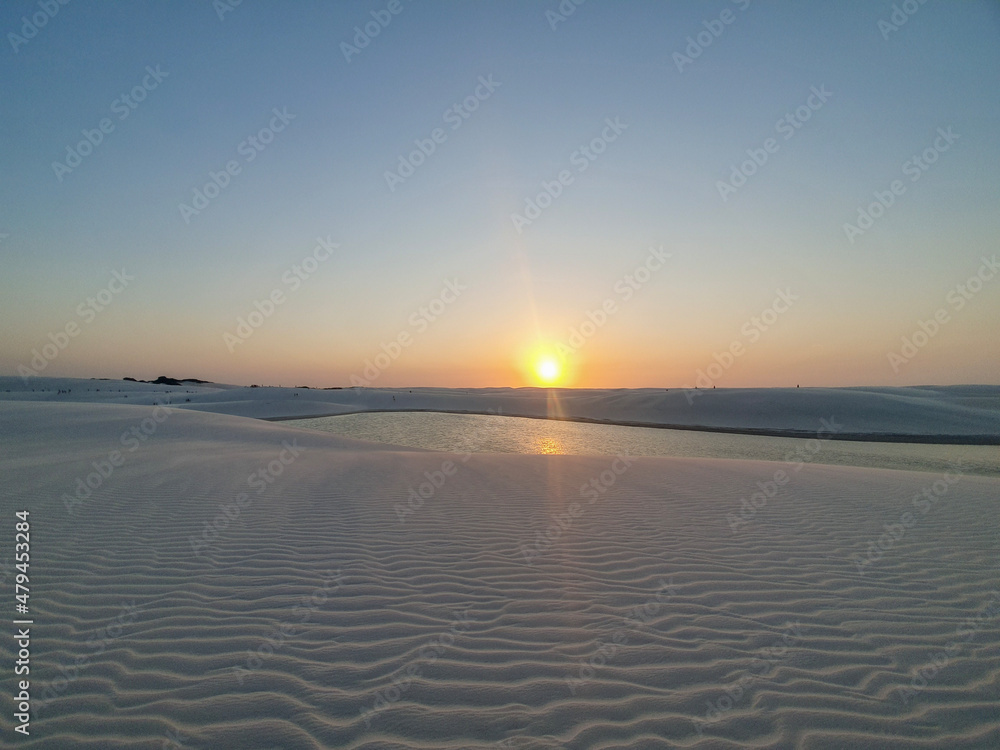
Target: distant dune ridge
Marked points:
965	413
204	580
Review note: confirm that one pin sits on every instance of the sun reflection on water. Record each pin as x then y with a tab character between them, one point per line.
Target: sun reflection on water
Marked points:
549	445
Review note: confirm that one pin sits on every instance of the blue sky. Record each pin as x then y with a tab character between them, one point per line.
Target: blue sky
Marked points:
656	184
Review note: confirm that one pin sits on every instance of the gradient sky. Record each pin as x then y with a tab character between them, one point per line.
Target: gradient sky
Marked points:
656	185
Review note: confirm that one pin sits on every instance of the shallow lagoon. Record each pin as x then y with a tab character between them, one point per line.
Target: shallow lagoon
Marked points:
479	433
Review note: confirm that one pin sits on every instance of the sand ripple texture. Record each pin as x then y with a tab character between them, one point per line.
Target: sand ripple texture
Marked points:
504	610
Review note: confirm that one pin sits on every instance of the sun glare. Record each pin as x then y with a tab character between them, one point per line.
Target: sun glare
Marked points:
548	370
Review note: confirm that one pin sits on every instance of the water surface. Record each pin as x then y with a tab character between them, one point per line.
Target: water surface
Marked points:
478	433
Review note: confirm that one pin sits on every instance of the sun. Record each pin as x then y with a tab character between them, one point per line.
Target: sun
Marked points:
548	370
542	363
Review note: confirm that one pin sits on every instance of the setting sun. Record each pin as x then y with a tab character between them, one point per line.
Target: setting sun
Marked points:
548	370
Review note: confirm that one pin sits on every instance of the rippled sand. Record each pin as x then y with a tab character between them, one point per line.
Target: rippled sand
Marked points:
504	610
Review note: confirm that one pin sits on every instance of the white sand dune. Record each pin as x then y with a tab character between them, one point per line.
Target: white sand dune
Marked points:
965	411
325	611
